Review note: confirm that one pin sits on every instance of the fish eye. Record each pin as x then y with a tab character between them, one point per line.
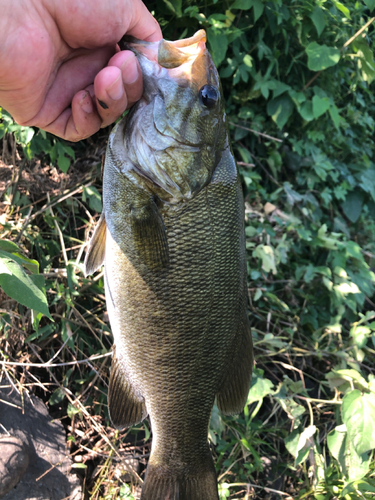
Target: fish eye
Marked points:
209	96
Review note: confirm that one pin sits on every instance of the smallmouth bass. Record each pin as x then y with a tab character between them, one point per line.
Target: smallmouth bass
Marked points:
171	237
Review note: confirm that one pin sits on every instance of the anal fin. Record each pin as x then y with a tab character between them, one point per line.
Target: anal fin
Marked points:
126	406
150	238
96	251
233	393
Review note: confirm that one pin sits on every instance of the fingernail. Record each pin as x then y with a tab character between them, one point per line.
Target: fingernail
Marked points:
86	104
102	104
129	71
116	90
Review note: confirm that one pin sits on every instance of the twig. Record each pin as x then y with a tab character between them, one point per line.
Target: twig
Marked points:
323	401
264	168
265	488
50	365
53	203
10	404
25	223
358	33
256	132
74	401
61	237
244	164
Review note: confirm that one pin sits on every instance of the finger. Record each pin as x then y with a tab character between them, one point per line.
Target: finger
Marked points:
110	94
80	121
143	25
73	76
118	86
131	74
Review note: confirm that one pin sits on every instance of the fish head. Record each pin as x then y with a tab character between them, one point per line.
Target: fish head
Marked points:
178	129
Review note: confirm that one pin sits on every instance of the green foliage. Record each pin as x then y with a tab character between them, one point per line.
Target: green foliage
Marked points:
26	288
36	141
288	72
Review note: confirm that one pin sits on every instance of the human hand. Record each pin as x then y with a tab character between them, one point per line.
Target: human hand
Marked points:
61	69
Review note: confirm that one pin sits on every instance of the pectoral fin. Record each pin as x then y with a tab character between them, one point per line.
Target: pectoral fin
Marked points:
233	393
96	251
150	238
126	406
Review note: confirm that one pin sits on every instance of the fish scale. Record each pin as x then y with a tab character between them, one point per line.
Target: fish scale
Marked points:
175	278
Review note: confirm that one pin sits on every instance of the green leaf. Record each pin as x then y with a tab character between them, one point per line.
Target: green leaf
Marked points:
258	9
42	333
358	414
291	442
94	198
267	255
341	7
8	246
352	206
319	19
280	88
219	45
280	109
338	378
336	118
320	105
360	334
72	410
27	290
242	4
355	487
299	445
260	388
30	264
370	4
258	6
79	466
336	441
63	163
352	465
365	59
175	6
321	57
306	111
57	396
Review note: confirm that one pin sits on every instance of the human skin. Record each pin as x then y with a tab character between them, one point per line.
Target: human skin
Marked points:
58	59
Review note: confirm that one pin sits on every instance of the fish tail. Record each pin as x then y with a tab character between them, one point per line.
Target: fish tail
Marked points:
168	484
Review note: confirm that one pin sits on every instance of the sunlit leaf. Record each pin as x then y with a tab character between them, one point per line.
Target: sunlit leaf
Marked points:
25	289
320	57
358	414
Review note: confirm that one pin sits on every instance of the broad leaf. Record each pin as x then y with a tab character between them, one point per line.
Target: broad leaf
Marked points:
321	57
260	387
352	206
358	414
370	4
27	290
280	109
319	19
353	466
219	45
320	105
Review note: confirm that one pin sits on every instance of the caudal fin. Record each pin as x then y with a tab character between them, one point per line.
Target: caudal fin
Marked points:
162	484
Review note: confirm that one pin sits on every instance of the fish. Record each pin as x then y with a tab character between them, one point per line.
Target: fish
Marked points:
172	241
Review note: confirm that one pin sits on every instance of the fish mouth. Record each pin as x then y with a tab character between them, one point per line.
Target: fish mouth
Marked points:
176	58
